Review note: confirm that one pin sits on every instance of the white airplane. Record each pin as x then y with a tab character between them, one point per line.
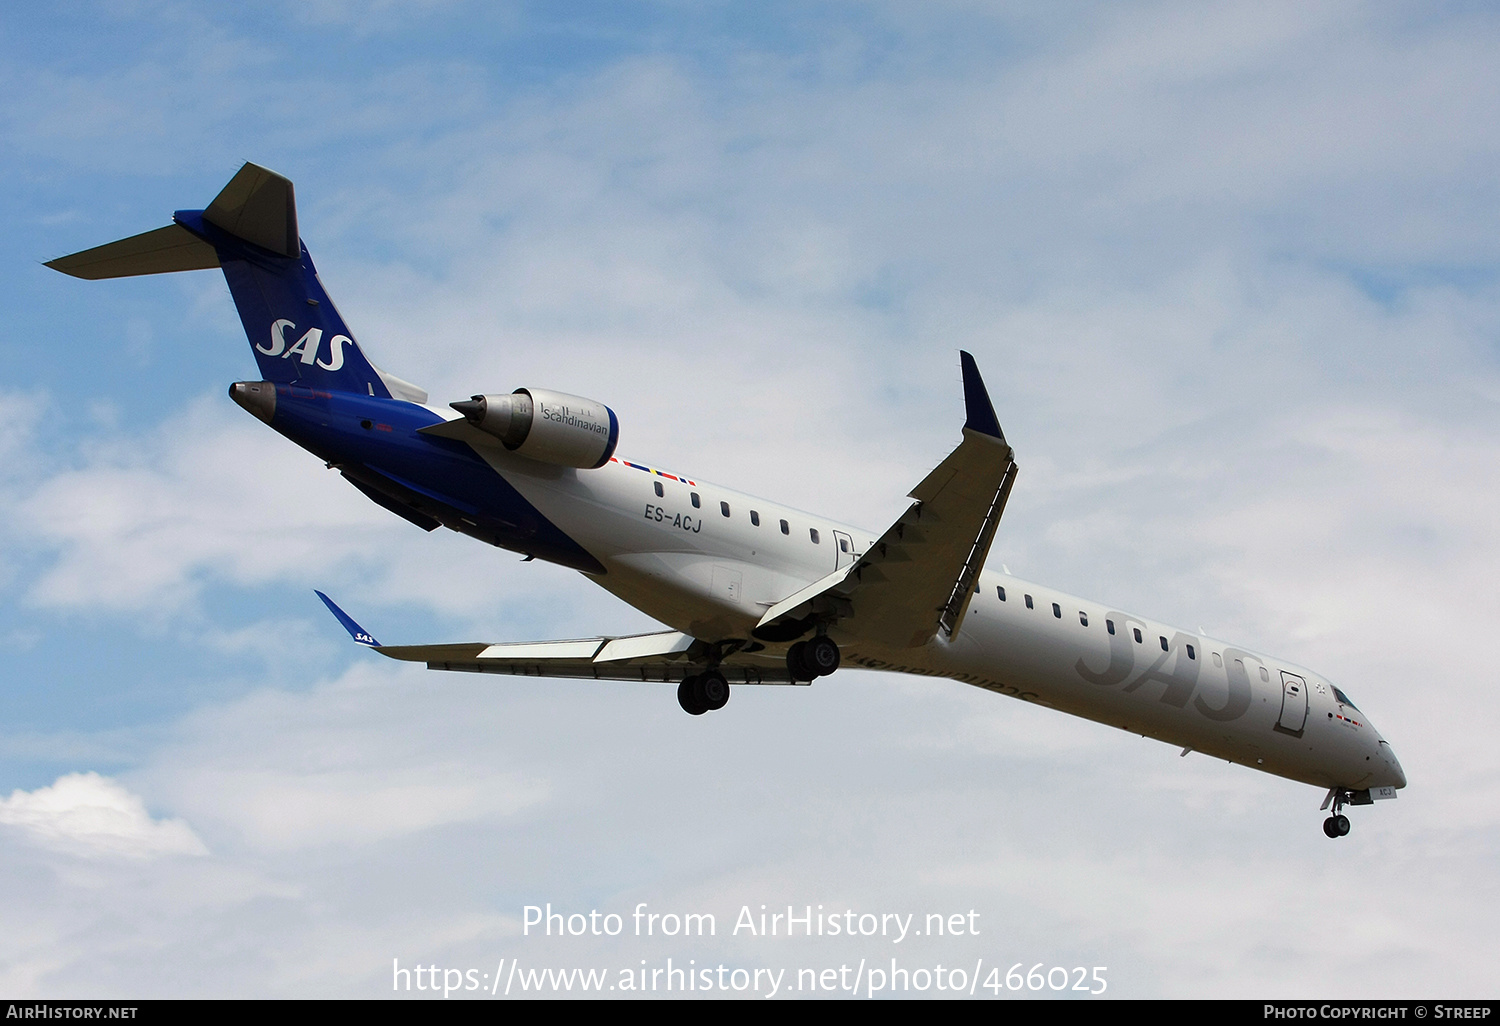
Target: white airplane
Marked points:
754	593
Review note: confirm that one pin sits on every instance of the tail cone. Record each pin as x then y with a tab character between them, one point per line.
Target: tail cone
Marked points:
472	409
259	397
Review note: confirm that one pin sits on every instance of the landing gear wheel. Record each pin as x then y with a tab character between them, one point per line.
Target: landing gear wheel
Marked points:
690	697
795	667
813	658
1337	825
714	690
821	655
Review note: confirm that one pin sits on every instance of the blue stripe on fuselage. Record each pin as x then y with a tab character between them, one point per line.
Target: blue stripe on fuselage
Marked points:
439	477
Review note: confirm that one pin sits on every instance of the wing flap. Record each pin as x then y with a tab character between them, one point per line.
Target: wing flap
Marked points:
555	651
805	596
645	646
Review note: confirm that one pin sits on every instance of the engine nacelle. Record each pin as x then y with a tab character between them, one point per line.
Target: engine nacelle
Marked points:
551	427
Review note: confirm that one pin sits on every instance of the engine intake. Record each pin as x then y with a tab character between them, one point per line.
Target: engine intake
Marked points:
550	427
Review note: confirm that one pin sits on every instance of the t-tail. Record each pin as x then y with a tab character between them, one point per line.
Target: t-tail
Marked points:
250	232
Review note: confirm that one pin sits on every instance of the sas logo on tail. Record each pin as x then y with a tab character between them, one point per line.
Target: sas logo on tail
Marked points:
305	347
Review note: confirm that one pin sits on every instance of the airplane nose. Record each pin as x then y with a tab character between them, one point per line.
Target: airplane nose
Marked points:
1397	773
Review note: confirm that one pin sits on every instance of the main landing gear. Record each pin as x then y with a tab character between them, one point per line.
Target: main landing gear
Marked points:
813	658
806	660
703	692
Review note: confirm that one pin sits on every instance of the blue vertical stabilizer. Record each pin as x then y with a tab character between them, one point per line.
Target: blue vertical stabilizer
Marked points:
250	232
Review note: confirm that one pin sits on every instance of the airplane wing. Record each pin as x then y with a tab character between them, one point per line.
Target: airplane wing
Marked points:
919	577
665	657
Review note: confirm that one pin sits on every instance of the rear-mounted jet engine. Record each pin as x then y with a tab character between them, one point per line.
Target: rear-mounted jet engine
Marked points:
550	427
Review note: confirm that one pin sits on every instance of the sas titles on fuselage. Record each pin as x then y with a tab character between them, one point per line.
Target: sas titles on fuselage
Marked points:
1181	680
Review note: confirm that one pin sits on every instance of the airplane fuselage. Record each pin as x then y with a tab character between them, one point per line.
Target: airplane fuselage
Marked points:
708	561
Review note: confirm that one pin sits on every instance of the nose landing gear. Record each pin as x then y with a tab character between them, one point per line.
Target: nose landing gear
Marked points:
1337	825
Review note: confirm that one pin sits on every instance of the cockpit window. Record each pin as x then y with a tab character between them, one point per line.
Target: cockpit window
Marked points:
1344	699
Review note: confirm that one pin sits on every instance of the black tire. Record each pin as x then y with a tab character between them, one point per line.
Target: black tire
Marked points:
821	655
1331	827
1343	824
689	696
714	689
794	664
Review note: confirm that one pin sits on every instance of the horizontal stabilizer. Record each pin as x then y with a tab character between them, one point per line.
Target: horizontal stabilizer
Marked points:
172	248
257	206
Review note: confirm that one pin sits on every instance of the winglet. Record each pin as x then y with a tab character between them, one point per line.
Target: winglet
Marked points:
356	632
981	412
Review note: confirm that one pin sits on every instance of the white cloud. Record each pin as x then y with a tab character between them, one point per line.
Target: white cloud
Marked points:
93	816
283	771
145	522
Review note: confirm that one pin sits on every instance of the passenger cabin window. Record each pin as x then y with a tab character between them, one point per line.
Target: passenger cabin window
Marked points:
843	544
659	491
724	508
786	528
1191	653
1083	618
1057	610
696	503
1164	644
1028	603
755	518
999	590
812	532
1137	632
1109	625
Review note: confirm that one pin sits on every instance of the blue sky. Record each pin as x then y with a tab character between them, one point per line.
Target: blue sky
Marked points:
1230	273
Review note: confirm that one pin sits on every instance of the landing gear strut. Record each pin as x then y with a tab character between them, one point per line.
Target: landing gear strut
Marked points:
703	693
813	658
1336	825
